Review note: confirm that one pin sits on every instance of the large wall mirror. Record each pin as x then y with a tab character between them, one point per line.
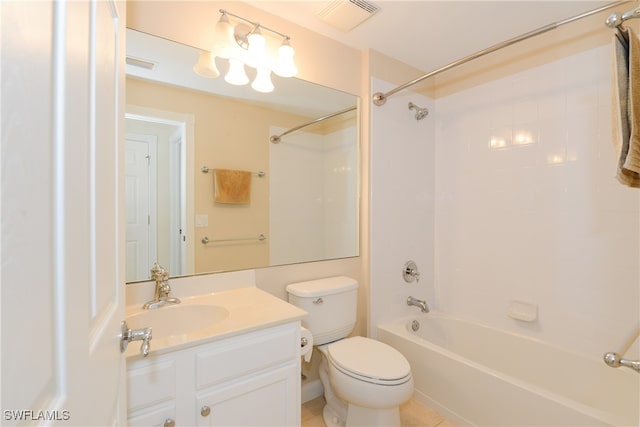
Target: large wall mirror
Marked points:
186	135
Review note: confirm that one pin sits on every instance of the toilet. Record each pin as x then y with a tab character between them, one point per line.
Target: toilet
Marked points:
365	381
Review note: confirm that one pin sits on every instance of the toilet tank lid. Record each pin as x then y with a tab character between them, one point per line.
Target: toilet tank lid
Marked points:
320	287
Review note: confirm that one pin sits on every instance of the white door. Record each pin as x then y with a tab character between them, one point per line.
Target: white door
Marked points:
62	266
140	205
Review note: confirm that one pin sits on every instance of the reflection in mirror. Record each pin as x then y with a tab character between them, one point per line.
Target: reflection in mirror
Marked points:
206	190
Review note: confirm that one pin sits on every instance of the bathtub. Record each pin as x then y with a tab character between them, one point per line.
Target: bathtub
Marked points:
477	375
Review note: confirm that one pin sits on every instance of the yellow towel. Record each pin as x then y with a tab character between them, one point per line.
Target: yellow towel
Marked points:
626	105
232	186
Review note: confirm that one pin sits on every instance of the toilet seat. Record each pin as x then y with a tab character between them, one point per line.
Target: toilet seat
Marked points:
369	360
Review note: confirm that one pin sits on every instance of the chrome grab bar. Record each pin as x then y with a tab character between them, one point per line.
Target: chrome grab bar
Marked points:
206	240
615	360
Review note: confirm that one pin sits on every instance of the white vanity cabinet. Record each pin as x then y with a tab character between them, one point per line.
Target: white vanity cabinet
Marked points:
152	390
248	379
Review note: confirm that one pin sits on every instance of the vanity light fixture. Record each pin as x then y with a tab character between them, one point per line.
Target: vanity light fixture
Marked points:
245	45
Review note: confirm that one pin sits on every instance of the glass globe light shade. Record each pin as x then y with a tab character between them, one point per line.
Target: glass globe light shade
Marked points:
206	65
236	75
256	52
285	66
223	37
262	82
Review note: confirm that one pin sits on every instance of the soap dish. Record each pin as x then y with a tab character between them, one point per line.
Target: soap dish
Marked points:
524	311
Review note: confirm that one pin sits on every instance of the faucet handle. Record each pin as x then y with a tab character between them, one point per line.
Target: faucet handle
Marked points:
410	272
165	288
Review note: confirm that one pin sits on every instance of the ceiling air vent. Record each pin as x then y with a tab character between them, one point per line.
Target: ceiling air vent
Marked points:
345	15
142	63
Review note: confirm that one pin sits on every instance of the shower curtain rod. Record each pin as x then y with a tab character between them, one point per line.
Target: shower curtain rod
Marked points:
275	139
380	98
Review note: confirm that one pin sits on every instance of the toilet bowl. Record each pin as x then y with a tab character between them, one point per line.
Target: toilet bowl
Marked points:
365	381
371	380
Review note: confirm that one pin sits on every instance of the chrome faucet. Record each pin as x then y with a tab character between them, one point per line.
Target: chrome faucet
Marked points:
162	291
418	303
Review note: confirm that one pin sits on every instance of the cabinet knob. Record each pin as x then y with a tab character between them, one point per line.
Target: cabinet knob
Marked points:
169	423
205	411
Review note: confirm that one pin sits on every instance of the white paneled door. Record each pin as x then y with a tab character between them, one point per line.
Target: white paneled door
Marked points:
62	266
140	205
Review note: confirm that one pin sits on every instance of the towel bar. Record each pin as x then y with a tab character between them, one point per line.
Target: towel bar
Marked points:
206	240
259	174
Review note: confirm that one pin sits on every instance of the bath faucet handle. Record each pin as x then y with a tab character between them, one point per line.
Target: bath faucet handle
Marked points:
410	272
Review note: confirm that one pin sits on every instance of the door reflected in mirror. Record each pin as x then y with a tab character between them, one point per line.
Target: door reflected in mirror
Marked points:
298	198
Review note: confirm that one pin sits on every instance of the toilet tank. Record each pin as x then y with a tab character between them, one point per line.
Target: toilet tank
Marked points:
331	303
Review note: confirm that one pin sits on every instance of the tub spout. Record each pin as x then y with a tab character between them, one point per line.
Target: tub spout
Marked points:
418	303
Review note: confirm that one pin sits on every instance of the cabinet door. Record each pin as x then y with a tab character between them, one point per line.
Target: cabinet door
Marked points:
269	399
159	416
151	382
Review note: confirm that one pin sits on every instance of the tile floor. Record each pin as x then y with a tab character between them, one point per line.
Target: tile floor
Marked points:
412	414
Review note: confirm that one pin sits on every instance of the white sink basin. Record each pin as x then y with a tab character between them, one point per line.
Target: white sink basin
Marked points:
177	319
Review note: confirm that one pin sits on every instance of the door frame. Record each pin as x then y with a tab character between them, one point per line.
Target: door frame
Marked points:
187	123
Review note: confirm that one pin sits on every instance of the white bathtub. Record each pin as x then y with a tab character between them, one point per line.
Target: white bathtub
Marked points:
477	375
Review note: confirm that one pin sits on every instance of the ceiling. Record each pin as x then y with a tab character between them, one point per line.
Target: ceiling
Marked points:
429	34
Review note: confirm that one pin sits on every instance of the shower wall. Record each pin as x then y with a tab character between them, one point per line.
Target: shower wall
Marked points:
525	206
313	195
402	204
528	209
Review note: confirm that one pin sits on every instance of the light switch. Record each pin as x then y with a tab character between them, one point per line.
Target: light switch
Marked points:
202	220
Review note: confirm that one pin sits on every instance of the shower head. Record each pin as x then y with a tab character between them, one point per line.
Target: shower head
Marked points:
421	113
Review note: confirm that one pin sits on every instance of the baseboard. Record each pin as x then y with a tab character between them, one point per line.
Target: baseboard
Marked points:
311	390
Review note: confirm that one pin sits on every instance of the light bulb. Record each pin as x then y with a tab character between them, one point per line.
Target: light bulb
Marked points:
262	82
206	65
285	67
223	37
236	75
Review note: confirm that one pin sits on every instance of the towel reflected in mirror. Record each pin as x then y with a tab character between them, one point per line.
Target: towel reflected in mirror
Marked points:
232	186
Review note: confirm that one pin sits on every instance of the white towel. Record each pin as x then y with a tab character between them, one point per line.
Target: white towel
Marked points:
626	105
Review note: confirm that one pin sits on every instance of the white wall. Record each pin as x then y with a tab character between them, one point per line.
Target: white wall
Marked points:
402	204
340	171
296	198
545	222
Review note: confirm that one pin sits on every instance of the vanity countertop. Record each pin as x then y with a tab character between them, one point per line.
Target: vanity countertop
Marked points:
248	309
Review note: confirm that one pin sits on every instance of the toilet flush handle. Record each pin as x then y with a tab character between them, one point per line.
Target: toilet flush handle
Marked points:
319	301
